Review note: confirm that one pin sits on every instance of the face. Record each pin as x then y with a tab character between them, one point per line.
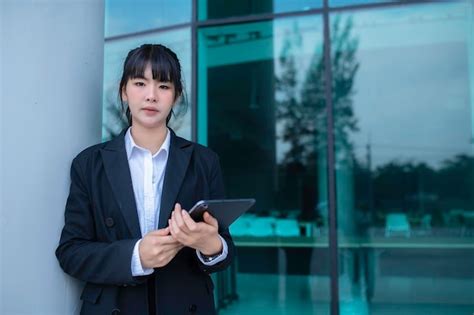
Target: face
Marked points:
150	101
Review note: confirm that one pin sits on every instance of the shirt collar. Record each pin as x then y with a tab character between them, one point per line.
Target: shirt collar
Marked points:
130	144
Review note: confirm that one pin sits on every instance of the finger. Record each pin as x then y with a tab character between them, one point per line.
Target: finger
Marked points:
160	232
168	248
173	228
177	233
167	240
190	223
209	219
177	248
177	215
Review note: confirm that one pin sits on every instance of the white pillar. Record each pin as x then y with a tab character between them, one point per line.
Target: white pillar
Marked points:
51	61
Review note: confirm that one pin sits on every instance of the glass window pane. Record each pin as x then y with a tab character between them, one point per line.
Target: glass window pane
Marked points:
403	106
131	16
262	109
115	52
217	9
335	3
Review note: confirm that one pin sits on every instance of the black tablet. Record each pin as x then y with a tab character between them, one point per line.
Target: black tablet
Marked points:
226	211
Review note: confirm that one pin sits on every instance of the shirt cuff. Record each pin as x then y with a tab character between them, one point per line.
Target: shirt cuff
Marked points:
220	258
137	268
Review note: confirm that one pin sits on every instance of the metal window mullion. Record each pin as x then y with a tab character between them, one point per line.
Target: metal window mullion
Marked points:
194	83
331	180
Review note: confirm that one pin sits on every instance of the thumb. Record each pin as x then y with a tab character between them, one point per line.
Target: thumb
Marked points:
162	232
209	219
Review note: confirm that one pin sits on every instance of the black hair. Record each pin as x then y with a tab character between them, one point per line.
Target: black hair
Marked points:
165	67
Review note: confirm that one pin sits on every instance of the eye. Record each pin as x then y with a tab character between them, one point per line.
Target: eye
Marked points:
165	87
139	83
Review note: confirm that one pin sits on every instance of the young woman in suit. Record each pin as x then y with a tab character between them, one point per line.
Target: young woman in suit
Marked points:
127	234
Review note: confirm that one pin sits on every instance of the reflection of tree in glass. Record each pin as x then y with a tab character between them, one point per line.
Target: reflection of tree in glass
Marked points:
457	181
301	113
418	189
344	69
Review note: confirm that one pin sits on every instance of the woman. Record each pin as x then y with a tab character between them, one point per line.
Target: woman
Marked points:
126	232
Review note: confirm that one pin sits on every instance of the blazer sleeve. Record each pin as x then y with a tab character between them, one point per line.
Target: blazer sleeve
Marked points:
79	253
217	191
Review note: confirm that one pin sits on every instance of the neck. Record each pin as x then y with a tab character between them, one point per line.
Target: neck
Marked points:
150	139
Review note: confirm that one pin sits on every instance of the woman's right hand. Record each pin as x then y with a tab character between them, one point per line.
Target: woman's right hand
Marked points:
158	248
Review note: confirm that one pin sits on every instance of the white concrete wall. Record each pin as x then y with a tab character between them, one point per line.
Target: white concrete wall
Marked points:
1	154
51	61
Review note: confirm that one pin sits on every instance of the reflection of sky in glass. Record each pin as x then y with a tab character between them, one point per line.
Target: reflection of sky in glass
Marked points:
412	94
295	5
266	6
115	52
127	16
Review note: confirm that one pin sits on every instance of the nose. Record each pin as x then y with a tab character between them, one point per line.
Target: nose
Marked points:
151	94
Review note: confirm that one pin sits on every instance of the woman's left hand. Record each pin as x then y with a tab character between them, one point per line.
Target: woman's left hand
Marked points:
202	236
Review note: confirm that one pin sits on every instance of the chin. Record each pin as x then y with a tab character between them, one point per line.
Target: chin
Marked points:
150	124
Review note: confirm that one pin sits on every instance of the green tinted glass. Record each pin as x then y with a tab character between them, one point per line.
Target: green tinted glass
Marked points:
403	104
131	16
262	109
336	3
216	9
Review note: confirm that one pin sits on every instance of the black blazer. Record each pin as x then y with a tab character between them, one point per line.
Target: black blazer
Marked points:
101	228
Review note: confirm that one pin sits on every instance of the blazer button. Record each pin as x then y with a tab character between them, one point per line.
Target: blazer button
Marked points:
109	222
192	308
115	311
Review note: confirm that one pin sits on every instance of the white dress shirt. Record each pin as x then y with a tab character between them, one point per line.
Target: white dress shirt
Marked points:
148	172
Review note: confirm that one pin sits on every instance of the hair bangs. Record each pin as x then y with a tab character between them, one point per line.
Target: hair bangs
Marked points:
163	67
135	66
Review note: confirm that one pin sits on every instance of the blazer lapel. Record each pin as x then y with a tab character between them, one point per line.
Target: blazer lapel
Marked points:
178	161
118	172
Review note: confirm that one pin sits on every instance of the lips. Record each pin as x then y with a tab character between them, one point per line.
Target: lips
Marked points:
150	109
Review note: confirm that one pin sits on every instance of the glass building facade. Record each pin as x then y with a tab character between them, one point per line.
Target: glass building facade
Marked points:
352	125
